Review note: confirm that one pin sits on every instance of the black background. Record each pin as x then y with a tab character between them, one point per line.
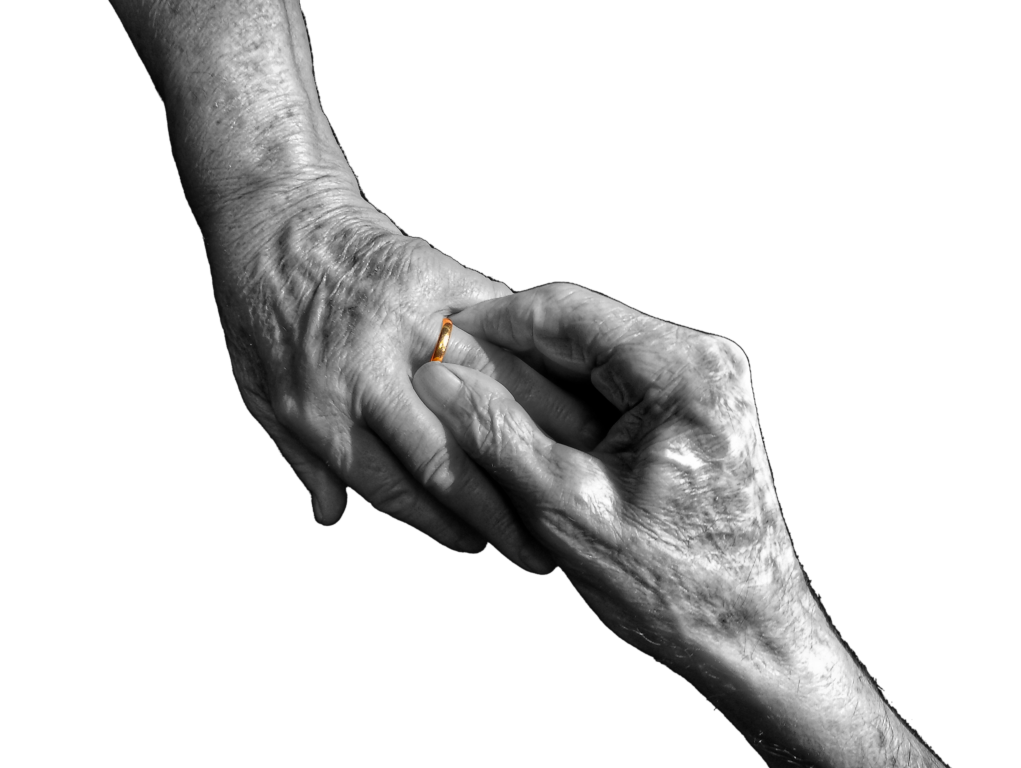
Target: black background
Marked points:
784	198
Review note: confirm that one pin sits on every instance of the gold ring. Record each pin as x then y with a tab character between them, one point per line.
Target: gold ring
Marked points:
441	343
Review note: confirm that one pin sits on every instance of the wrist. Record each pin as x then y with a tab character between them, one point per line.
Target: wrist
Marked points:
235	139
290	223
237	83
799	696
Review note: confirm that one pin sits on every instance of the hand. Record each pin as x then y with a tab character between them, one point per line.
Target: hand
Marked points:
326	305
327	309
670	527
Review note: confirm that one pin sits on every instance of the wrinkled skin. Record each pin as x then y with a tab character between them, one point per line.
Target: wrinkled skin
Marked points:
326	305
328	308
670	527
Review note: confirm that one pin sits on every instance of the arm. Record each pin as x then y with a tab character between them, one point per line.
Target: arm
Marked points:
800	696
670	527
326	305
242	106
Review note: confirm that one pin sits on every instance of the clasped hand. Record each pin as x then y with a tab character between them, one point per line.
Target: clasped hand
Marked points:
327	308
670	516
670	527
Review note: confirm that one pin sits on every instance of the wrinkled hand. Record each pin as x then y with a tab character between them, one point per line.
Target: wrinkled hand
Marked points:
670	527
327	309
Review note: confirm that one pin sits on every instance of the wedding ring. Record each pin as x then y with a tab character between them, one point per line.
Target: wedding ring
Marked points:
441	344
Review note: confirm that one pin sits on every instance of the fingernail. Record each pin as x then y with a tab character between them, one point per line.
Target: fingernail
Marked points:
537	560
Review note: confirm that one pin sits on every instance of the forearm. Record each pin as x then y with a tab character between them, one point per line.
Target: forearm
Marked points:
801	698
242	107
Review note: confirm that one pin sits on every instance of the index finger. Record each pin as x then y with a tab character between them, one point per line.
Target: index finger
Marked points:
568	325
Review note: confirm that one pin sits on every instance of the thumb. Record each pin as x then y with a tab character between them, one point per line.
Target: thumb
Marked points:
497	433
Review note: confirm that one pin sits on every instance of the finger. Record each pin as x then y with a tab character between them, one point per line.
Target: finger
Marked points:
380	479
574	331
560	491
376	475
418	440
329	495
568	325
328	492
563	416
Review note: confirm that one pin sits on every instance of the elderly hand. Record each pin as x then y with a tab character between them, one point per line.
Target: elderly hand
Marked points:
670	527
326	305
328	308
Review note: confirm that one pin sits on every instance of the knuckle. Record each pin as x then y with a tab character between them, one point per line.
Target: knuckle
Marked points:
302	411
560	296
501	432
486	439
289	411
719	359
734	354
561	290
588	490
